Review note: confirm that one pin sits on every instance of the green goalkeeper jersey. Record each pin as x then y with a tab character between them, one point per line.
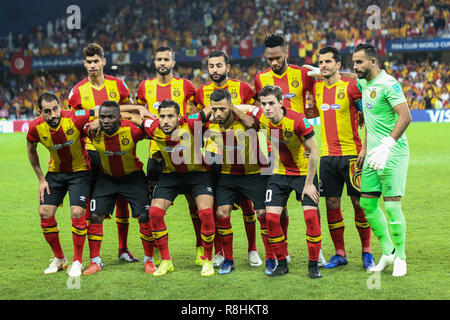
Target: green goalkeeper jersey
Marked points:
379	97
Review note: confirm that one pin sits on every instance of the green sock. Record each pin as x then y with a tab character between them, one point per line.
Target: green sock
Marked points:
378	223
397	225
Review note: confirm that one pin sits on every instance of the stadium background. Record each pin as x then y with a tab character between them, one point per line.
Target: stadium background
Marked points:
130	31
413	44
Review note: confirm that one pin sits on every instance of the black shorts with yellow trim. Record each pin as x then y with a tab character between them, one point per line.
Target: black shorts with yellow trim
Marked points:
132	187
232	188
76	183
335	171
170	185
279	188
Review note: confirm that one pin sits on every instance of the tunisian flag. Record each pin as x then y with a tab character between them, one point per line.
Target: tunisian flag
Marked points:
246	47
20	64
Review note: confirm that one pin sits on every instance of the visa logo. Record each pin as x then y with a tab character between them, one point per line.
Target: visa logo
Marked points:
439	115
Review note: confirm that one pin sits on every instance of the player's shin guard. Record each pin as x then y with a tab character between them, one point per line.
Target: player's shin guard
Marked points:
95	237
159	231
265	238
51	235
196	223
225	232
249	217
122	221
208	229
363	227
313	234
378	223
148	242
275	234
337	227
79	231
397	225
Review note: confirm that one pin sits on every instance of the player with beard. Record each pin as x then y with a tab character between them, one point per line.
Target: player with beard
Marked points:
165	85
241	93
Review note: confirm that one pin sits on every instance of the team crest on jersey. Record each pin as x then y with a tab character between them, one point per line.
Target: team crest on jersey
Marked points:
112	94
233	95
373	94
287	133
176	93
70	132
295	83
125	141
341	95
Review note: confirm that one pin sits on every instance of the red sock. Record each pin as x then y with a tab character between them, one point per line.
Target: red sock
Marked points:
265	239
208	229
249	217
363	228
95	237
160	233
225	231
313	234
79	231
284	222
218	249
337	227
51	235
276	236
122	221
196	223
148	242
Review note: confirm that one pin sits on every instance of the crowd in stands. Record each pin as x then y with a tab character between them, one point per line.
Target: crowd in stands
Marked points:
426	85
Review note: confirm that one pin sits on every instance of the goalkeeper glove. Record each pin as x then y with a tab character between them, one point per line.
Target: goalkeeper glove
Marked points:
378	156
314	71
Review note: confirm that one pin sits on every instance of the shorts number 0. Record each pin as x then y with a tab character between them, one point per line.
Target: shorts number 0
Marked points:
268	195
92	205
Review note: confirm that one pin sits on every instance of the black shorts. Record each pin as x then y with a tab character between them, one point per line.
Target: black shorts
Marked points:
132	187
154	169
232	188
334	171
170	185
95	166
279	188
76	183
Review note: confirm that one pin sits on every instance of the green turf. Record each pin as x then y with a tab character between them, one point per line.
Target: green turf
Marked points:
25	254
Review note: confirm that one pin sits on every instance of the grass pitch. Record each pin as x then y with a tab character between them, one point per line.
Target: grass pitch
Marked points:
25	254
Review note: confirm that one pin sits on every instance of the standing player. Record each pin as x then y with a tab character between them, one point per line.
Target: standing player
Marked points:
121	176
150	93
88	94
185	171
237	150
294	83
289	133
338	100
61	132
241	93
387	116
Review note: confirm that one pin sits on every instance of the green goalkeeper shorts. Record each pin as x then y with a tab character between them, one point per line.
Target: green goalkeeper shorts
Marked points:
390	181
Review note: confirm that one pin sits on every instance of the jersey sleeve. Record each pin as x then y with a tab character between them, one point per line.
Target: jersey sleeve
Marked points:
247	93
256	114
394	93
32	134
81	118
137	133
141	94
304	128
308	82
257	84
123	91
150	126
199	98
189	90
354	94
75	99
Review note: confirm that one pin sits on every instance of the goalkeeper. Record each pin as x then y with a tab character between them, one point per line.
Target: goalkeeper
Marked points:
387	116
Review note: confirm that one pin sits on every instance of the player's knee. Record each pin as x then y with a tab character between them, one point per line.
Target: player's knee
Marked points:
46	212
96	218
368	205
260	213
156	214
333	203
222	213
144	218
77	212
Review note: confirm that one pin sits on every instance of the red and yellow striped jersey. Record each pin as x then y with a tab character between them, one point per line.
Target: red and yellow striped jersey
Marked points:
237	147
65	143
286	139
84	95
182	150
118	151
178	89
241	93
338	117
294	84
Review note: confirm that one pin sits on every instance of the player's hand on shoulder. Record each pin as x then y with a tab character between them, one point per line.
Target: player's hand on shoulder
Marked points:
94	128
